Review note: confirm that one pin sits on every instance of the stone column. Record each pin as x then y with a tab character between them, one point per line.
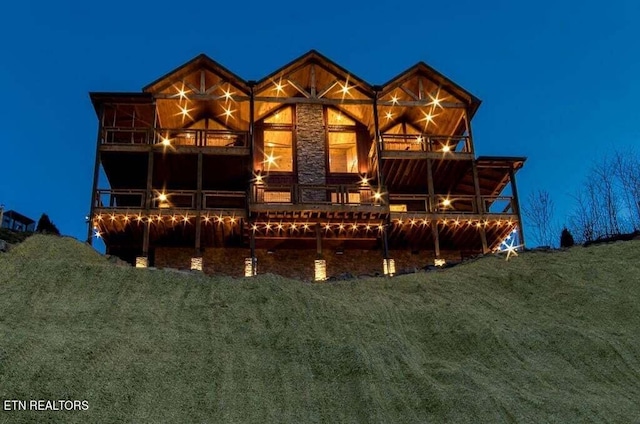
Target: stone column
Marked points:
311	151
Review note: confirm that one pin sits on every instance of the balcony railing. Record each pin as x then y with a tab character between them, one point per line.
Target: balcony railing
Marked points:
454	204
174	137
314	194
179	199
425	143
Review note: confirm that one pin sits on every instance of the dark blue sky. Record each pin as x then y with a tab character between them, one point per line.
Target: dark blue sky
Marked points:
559	80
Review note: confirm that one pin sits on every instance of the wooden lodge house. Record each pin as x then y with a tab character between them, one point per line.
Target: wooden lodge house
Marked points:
308	172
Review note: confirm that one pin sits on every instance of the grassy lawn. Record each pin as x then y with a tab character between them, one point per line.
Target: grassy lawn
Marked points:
545	337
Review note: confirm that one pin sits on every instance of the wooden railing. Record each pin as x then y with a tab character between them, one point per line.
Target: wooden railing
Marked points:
174	137
332	194
425	143
454	204
177	199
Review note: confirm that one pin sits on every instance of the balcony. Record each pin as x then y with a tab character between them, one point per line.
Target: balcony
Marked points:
422	146
134	201
180	140
421	205
324	200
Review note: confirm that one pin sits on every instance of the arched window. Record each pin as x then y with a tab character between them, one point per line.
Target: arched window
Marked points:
342	142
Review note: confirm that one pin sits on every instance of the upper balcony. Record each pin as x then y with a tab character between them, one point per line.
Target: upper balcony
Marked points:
217	142
423	146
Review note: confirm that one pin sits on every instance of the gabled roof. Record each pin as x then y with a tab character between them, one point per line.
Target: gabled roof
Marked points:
202	61
436	77
315	57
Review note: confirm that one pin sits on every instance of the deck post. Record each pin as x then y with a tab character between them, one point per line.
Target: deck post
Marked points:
320	265
479	205
96	175
378	144
516	203
432	196
436	238
147	204
198	251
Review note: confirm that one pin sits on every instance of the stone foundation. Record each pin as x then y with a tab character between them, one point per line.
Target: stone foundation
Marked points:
298	264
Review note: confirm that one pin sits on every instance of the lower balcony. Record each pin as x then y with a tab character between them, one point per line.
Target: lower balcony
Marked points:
316	201
415	206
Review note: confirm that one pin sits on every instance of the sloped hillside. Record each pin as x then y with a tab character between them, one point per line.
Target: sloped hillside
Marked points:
545	337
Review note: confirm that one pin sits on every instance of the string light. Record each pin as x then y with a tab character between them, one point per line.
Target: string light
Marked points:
227	94
389	116
394	100
446	148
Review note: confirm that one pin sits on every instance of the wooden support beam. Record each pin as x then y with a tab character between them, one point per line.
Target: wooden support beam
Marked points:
436	238
421	95
410	93
328	88
96	175
313	81
199	206
299	87
214	87
516	204
483	238
293	100
318	241
431	190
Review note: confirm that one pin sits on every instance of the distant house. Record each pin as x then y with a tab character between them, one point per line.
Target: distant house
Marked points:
15	221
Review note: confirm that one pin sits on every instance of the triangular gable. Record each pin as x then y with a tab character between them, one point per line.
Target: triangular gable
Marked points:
433	79
313	75
203	75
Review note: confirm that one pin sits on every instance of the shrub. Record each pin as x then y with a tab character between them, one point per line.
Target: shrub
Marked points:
566	239
45	226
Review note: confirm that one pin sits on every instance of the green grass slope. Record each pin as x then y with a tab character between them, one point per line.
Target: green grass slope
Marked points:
541	338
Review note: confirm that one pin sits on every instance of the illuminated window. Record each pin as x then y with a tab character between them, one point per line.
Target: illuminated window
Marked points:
343	155
278	150
278	141
343	151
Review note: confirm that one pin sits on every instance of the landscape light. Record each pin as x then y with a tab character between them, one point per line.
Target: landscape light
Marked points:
439	262
320	270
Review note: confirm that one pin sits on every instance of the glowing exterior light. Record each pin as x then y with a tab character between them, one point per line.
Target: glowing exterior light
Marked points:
280	226
435	101
250	267
162	197
440	262
446	148
228	113
233	220
364	181
98	234
259	179
142	262
320	270
389	115
165	141
254	227
279	87
196	264
219	219
389	267
377	195
394	100
113	217
227	94
185	218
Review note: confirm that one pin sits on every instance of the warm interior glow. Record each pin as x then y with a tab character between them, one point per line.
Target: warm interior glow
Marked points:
343	153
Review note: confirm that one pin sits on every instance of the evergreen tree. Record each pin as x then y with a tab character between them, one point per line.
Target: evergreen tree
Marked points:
566	239
45	226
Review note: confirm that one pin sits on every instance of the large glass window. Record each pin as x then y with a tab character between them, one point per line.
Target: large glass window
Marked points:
278	141
278	150
343	151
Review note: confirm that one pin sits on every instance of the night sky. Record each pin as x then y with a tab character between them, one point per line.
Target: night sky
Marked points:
559	80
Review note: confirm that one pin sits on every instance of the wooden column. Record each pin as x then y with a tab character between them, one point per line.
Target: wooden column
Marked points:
318	241
96	175
467	122
516	203
381	182
479	205
436	237
432	195
199	206
147	203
